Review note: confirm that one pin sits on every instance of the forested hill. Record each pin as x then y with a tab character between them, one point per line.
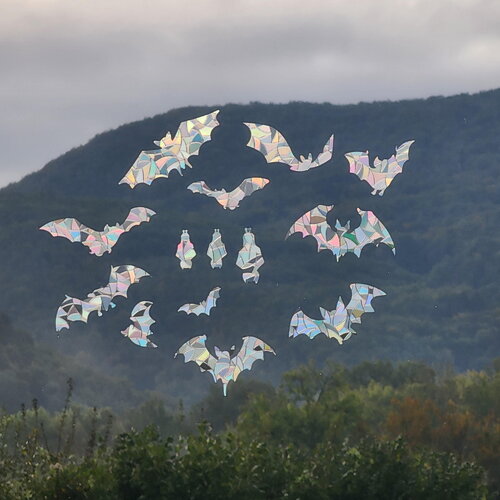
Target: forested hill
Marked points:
442	212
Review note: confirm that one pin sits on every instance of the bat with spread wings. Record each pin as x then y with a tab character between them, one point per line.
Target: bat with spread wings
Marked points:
140	329
216	250
250	257
205	306
273	145
174	153
337	324
341	239
99	242
232	198
383	172
224	366
101	299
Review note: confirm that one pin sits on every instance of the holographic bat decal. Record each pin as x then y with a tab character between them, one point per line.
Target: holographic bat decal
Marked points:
205	306
250	256
232	199
185	251
337	324
99	242
101	299
383	172
216	250
174	153
224	366
342	240
140	329
271	143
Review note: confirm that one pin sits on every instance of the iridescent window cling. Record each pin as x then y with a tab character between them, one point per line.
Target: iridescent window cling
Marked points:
216	250
250	257
140	329
99	242
224	366
205	306
185	251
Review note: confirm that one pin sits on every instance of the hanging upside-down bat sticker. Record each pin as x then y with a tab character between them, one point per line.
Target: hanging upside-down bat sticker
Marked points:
271	143
383	172
341	239
250	257
140	329
185	251
99	242
232	198
224	366
174	153
205	306
101	299
216	250
337	324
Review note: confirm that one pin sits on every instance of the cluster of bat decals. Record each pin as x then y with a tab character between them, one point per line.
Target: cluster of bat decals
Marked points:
174	154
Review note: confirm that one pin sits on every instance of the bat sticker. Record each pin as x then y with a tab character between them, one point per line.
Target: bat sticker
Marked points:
224	366
140	329
185	251
101	299
271	143
337	324
205	306
232	199
383	172
342	240
250	256
174	153
99	242
216	250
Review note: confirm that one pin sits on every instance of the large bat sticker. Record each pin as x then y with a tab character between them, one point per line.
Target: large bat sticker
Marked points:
205	306
383	172
341	240
337	324
250	257
224	366
174	153
99	242
271	143
101	299
140	329
232	198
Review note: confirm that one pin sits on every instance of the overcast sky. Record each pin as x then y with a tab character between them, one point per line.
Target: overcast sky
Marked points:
74	68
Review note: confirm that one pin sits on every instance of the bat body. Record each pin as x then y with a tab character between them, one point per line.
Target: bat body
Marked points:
216	250
250	257
140	329
232	198
383	172
185	251
341	240
224	366
337	324
205	306
174	153
272	144
101	299
99	242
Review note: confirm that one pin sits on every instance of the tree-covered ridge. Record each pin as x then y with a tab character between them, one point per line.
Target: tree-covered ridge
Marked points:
442	213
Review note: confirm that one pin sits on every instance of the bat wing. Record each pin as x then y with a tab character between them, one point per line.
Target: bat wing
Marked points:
212	300
272	144
136	217
194	350
245	189
140	328
313	223
193	308
202	188
370	230
403	153
301	324
252	349
121	278
68	228
361	300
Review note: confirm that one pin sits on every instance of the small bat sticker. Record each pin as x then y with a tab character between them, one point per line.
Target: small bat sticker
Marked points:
140	329
205	306
101	299
99	242
174	153
383	172
341	239
185	251
216	250
273	145
337	324
224	366
232	198
250	257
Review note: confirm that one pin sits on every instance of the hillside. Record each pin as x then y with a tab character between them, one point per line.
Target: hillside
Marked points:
442	212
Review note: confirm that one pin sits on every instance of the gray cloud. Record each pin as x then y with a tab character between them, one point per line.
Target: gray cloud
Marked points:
73	69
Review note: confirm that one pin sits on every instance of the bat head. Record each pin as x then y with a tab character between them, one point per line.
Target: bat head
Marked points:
342	229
